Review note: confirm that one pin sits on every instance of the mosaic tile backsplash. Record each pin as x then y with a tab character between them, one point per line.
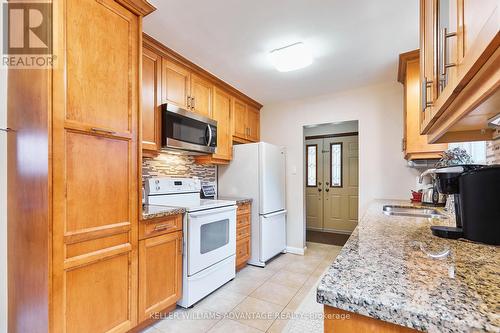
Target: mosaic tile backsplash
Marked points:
178	166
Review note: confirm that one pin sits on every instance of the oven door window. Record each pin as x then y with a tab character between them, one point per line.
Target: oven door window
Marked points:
214	235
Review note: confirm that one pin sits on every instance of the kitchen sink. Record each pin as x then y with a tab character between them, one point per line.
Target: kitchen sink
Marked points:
413	211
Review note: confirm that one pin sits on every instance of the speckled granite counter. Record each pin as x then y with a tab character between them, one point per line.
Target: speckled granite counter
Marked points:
239	200
383	272
155	211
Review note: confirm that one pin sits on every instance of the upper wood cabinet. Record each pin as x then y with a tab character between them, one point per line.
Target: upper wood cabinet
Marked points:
187	86
253	123
201	95
245	122
150	101
415	145
239	119
460	68
175	84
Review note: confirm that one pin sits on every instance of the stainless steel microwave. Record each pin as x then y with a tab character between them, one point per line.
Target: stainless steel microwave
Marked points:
187	132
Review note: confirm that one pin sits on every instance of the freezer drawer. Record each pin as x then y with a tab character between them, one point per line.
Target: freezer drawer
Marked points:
272	235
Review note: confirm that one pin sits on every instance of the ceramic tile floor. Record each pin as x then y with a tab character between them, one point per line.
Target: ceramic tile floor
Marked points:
258	299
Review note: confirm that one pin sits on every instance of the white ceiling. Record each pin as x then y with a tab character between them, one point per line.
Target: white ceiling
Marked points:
354	42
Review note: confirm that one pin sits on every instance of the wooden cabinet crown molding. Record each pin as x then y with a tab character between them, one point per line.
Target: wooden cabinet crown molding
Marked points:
403	61
138	7
166	52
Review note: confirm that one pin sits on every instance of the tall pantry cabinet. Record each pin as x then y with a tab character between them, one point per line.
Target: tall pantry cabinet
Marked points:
73	174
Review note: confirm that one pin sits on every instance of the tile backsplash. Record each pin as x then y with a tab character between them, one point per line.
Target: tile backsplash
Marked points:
178	166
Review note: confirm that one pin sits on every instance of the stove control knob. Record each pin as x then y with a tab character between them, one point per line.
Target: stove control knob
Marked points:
157	188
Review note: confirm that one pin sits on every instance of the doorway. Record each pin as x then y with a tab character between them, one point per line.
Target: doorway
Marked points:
331	181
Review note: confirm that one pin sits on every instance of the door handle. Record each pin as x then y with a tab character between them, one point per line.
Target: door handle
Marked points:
102	130
7	130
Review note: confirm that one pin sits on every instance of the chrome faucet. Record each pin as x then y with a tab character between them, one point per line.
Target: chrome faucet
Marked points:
426	173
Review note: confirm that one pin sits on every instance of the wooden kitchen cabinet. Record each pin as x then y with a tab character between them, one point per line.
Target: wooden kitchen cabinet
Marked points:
188	86
460	68
160	273
222	114
245	122
253	123
415	145
73	238
183	88
176	84
243	234
151	101
201	95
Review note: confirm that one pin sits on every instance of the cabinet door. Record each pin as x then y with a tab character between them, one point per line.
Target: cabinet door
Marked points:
480	24
95	167
150	99
416	145
239	119
175	84
447	25
201	96
428	66
253	124
160	273
222	114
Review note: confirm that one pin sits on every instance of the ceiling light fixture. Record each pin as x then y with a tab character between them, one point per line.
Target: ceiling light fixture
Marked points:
291	57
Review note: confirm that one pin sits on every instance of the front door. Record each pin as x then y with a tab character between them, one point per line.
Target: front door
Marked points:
332	184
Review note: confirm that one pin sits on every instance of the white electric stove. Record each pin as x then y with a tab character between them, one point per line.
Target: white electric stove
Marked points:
209	232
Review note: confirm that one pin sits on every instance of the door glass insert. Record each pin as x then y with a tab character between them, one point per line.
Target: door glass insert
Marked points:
312	165
214	235
336	164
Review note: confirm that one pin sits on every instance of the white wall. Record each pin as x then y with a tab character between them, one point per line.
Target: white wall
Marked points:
331	128
383	171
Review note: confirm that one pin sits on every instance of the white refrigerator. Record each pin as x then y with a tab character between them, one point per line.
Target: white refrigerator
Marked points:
257	170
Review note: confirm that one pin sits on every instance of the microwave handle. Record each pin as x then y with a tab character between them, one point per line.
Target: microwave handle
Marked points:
209	135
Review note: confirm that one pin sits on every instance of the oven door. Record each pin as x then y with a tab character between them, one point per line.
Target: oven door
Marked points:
185	130
211	237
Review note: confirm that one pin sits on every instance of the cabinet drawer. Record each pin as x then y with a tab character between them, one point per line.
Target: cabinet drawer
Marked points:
243	209
242	251
159	226
242	232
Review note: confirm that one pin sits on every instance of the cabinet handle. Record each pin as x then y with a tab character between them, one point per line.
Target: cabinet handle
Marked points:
7	130
189	102
425	85
102	130
444	38
163	227
193	103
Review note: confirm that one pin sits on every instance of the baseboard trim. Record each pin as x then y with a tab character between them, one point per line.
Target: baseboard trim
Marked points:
296	250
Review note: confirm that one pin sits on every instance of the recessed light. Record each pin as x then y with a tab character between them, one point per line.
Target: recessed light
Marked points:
291	57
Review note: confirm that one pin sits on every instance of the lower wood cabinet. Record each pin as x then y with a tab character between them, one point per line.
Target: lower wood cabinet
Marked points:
160	273
243	234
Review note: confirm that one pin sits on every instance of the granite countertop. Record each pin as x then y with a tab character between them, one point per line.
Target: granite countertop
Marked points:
154	211
239	200
383	272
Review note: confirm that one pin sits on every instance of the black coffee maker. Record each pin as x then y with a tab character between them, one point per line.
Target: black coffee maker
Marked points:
476	191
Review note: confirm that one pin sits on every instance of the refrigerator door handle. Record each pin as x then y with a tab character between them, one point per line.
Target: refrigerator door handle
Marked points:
281	212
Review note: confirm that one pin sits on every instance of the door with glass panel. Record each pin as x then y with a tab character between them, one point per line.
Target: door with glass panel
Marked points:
332	184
